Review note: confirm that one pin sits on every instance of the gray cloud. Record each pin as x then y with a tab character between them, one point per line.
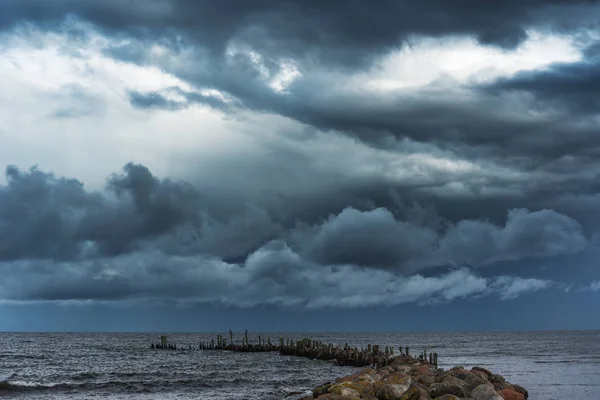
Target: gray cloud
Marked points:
345	35
504	171
573	87
471	124
56	220
274	274
510	288
48	217
150	100
377	238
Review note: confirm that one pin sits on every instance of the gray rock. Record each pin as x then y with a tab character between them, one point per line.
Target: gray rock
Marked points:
390	391
449	385
485	392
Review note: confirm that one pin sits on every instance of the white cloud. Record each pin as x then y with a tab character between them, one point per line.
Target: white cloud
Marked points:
464	60
64	106
508	287
594	286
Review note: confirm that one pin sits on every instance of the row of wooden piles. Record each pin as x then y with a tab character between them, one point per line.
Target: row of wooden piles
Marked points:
372	355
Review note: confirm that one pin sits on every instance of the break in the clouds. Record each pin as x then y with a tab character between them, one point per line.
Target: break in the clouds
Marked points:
295	152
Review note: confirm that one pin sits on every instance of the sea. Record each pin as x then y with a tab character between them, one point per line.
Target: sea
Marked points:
551	365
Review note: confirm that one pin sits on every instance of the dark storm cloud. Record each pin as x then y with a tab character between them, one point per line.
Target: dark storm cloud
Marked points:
149	238
350	38
47	217
274	274
377	238
270	226
347	34
571	86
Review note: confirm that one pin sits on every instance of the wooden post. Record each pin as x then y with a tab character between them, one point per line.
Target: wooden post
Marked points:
230	337
407	353
246	337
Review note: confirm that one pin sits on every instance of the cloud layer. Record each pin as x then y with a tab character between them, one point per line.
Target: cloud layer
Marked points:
149	238
295	152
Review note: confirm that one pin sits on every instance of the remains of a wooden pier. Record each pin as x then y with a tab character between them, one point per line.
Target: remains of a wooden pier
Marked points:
372	355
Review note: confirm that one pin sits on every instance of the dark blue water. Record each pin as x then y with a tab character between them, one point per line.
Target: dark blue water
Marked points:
551	365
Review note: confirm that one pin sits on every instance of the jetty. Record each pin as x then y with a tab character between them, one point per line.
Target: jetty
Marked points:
371	355
390	374
408	378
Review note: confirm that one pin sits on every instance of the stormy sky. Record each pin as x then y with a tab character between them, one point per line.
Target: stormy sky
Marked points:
299	165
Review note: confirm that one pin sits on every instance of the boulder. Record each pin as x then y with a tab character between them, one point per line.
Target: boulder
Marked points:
522	390
321	390
390	391
421	370
389	369
439	389
402	368
447	397
508	394
413	393
345	391
363	387
398	378
485	371
471	380
424	395
485	392
426	379
480	374
449	385
384	373
333	396
364	379
368	371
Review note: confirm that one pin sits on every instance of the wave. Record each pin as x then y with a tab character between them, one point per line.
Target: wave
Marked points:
578	361
130	386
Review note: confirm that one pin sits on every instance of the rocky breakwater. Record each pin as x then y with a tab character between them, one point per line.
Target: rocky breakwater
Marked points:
409	378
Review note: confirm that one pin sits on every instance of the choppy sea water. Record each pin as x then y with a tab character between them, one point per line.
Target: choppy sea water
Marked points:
551	365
